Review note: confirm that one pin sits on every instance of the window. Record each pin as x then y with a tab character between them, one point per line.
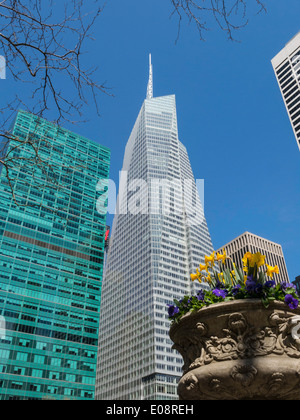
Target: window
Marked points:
22	357
87	380
17	385
19	371
54	375
35	388
24	343
55	362
52	390
3	368
71	364
69	392
39	359
37	373
41	346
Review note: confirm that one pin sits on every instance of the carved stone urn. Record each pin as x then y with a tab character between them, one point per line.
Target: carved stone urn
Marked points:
239	350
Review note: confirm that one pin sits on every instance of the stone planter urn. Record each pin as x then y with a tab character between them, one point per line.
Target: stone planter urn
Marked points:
239	350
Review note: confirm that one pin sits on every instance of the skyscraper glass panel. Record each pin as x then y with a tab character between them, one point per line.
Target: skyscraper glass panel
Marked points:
51	261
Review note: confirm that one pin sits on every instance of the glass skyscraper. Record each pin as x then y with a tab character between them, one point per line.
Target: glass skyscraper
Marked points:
159	237
51	259
286	65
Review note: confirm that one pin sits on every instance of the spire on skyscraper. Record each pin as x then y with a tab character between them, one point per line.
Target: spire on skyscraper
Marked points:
150	83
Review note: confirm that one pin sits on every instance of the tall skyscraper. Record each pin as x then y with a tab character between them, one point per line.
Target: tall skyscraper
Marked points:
51	256
159	236
247	242
286	65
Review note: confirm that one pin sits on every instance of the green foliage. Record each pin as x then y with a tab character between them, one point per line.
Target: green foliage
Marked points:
266	291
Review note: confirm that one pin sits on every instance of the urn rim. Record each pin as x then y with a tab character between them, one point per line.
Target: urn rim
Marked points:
230	307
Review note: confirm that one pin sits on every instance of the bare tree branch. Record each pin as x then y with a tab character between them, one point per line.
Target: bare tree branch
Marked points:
230	15
47	50
43	44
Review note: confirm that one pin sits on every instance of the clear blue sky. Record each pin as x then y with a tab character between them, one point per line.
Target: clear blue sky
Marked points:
231	114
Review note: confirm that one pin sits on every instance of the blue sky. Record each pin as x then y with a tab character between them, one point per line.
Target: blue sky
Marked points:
231	115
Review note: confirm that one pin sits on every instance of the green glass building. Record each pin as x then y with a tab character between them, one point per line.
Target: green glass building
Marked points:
52	231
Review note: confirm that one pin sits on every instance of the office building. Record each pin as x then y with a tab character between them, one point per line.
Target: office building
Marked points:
247	242
51	257
286	65
159	237
297	283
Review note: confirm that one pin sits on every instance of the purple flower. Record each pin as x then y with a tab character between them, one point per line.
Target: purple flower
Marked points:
270	283
236	289
173	310
291	301
286	285
220	293
253	287
200	295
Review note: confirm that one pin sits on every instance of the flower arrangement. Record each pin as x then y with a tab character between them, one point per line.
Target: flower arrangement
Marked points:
254	281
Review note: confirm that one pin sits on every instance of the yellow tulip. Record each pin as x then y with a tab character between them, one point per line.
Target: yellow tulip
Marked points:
208	278
221	277
271	270
194	277
258	259
203	267
210	260
247	257
222	257
251	259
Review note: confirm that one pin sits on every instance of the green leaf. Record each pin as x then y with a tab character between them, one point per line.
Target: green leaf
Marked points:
265	302
290	291
227	277
238	274
261	277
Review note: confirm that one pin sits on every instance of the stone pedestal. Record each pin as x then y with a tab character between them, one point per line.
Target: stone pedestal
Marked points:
239	350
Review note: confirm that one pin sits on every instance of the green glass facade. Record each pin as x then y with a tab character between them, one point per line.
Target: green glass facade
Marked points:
51	262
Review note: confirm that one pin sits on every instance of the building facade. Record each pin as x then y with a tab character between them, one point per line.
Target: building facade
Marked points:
159	236
247	242
286	65
51	257
297	283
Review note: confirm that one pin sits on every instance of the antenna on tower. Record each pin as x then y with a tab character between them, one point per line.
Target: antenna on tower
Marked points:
150	83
